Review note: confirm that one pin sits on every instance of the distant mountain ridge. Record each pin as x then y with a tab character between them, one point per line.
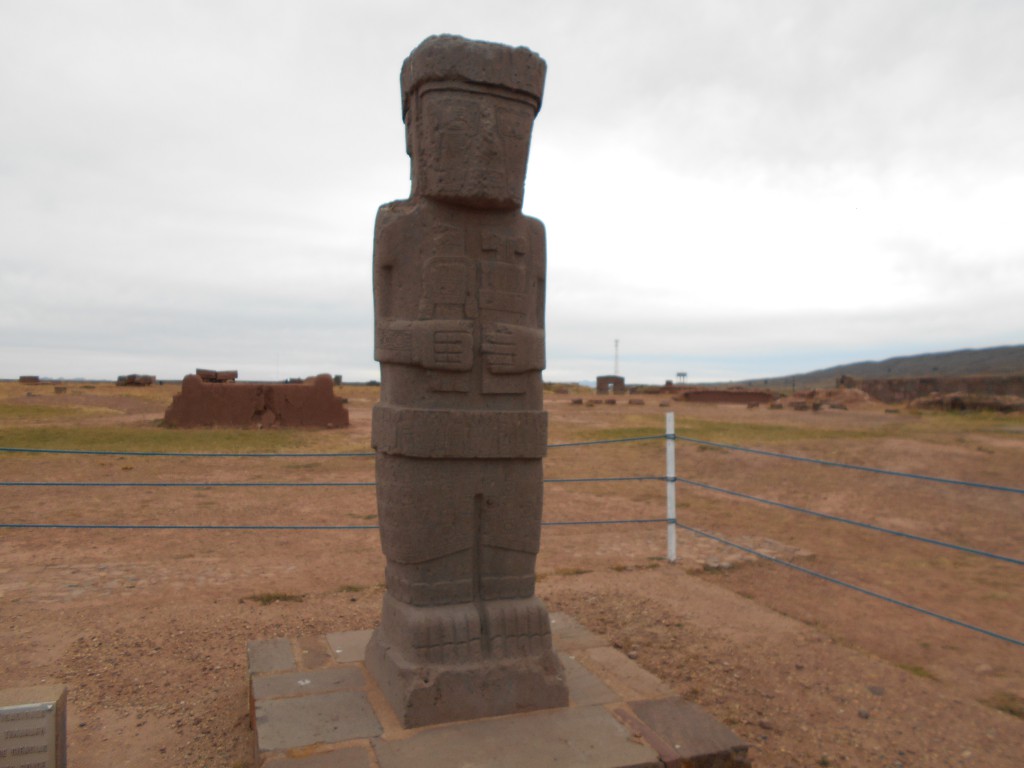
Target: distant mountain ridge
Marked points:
961	362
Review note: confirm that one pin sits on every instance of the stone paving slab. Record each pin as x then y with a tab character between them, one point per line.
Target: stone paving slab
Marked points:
312	705
347	757
567	634
307	682
349	646
623	675
580	736
274	655
683	734
585	688
324	718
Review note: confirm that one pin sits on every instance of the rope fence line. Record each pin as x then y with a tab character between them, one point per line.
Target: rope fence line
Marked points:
160	454
857	523
189	527
290	527
86	484
361	454
670	479
368	483
854	587
660	436
842	465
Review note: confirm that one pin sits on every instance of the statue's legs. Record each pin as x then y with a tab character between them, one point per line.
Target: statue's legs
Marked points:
460	620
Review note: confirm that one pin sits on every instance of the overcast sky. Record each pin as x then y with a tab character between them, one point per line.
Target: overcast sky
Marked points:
731	189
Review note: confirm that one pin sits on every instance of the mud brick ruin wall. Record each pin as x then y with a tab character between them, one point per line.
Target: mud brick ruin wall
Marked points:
738	396
209	404
904	390
615	385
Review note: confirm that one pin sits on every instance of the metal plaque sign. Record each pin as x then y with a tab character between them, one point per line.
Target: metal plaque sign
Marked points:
28	736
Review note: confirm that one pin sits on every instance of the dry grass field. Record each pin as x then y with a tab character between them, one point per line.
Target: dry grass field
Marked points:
147	626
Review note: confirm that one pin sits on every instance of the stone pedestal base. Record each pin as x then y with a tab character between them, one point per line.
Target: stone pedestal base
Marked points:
467	661
313	705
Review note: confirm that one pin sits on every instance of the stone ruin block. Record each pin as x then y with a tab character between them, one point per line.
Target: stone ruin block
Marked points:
726	396
28	380
216	377
136	380
258	405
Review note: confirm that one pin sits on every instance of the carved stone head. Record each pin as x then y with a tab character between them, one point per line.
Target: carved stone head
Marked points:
468	108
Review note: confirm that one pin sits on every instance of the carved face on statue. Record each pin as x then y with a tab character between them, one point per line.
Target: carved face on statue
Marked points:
469	147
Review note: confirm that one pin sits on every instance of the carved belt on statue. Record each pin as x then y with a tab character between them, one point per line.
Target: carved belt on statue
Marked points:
446	434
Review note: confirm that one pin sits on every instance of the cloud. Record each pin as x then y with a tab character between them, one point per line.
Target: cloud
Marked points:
744	184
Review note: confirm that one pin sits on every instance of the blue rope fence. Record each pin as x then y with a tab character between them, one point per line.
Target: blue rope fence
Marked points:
857	523
665	479
854	587
83	452
841	465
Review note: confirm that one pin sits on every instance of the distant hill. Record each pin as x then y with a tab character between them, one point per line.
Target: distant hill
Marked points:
962	362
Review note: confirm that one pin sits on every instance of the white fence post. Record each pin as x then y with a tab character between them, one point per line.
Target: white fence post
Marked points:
670	482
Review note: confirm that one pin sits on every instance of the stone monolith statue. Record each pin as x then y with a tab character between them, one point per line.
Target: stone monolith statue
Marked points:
460	431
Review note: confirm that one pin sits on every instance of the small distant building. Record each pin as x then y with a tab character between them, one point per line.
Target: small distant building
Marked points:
222	402
28	380
611	385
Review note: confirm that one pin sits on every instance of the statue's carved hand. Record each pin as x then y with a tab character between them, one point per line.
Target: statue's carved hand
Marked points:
445	345
513	348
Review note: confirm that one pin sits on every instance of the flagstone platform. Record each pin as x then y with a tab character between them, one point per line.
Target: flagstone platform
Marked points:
312	705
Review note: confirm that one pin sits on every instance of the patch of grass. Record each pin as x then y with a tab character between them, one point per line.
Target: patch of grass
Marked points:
571	571
351	588
154	439
266	598
917	671
14	411
1007	702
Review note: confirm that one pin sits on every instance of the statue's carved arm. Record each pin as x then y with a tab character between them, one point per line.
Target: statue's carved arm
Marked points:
441	345
509	348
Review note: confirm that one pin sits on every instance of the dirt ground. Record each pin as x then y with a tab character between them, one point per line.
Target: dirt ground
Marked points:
148	627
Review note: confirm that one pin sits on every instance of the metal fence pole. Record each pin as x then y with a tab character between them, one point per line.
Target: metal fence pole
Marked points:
670	482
